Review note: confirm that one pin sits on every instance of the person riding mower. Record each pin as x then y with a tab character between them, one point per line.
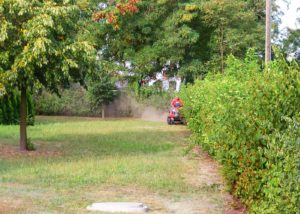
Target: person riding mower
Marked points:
174	116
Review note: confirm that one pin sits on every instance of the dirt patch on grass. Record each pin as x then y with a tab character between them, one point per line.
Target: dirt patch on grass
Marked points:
206	175
205	171
13	205
13	152
183	203
16	198
8	206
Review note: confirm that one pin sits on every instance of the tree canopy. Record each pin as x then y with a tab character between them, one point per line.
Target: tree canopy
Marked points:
184	36
41	43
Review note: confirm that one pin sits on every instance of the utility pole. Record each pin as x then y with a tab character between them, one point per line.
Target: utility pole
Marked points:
268	31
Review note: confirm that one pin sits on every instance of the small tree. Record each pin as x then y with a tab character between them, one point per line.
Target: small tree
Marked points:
101	89
40	43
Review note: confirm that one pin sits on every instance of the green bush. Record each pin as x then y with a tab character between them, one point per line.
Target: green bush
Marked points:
10	108
100	90
238	117
282	180
72	102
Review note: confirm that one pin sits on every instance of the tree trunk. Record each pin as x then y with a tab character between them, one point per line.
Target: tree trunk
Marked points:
222	48
103	112
23	119
268	50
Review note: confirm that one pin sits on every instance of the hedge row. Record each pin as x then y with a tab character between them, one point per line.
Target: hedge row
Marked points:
72	102
249	121
10	109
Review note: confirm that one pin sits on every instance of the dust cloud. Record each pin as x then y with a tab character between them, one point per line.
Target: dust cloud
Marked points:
152	114
126	106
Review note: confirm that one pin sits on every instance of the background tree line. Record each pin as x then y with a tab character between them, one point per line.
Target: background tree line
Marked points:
197	35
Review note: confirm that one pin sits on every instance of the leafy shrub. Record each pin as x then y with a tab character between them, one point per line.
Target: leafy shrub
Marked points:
72	102
10	108
238	117
282	189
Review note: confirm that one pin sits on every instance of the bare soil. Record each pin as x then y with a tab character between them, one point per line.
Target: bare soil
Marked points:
13	152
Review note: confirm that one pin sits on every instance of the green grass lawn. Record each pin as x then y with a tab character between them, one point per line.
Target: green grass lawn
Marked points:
82	160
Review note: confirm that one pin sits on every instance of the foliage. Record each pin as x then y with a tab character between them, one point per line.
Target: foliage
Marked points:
73	102
9	109
237	25
239	118
2	89
160	101
177	35
101	89
282	190
292	43
40	44
152	96
111	13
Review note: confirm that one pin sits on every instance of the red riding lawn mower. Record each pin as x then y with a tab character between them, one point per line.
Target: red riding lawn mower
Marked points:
175	117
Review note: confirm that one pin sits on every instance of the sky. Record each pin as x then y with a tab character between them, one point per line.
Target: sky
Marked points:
290	13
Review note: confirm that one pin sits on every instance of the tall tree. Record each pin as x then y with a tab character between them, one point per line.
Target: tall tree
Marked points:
40	44
238	25
268	31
